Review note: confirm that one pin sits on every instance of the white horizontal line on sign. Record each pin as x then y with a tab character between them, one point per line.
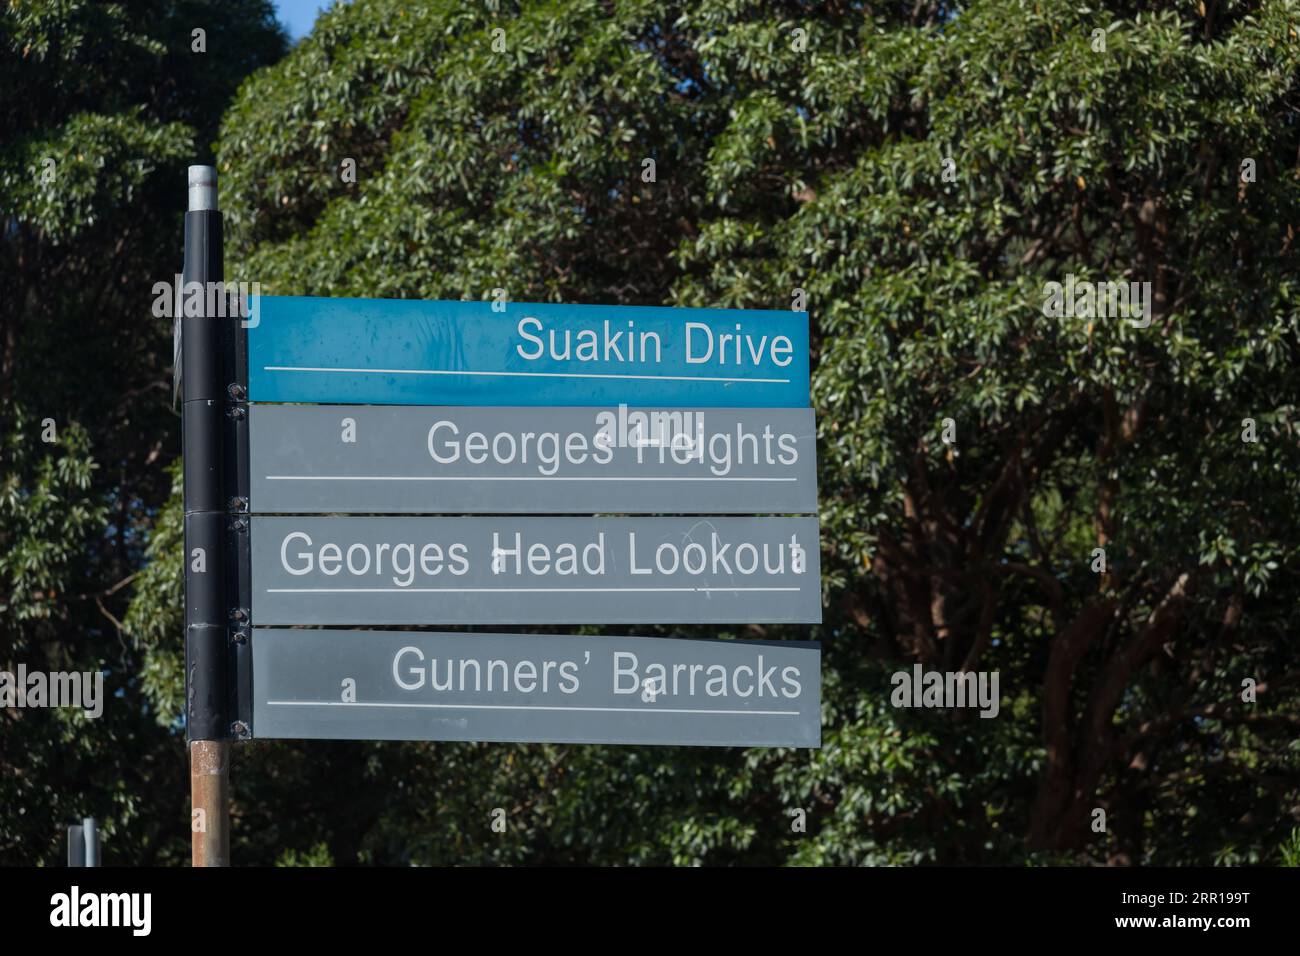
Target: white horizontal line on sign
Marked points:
440	371
612	710
503	478
494	590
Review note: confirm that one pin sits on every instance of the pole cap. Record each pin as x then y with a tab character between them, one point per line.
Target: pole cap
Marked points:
203	188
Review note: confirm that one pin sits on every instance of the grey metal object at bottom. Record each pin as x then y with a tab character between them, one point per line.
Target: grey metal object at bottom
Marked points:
543	688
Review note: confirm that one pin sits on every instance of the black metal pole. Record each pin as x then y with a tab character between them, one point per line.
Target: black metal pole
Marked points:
206	647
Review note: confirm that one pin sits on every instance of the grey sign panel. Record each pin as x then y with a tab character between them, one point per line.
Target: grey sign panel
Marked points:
394	685
373	459
508	570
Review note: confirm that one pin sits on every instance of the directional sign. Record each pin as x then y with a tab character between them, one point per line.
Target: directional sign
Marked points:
409	352
374	459
506	570
385	685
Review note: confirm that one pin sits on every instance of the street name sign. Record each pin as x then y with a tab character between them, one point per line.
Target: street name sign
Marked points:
377	459
412	352
513	570
401	685
411	463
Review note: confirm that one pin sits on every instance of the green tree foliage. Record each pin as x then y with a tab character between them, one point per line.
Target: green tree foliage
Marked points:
104	105
803	147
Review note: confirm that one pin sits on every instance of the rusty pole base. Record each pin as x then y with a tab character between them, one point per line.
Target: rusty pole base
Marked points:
210	802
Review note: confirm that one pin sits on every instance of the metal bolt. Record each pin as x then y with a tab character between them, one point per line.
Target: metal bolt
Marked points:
238	413
236	392
239	729
238	614
239	524
240	636
237	504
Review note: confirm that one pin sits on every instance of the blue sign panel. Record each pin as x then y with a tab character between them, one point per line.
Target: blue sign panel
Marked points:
409	352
